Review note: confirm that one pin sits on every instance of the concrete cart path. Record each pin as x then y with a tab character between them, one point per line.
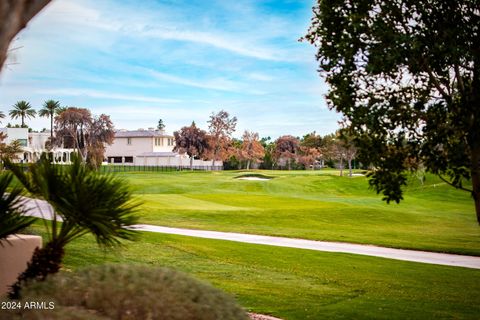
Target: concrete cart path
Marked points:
368	250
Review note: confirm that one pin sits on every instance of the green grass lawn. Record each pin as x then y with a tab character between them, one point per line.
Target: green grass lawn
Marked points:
303	284
317	205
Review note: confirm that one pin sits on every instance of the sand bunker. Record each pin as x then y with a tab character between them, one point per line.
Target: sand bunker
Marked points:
253	178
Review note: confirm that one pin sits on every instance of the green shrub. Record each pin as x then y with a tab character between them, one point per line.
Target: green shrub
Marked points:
137	292
59	313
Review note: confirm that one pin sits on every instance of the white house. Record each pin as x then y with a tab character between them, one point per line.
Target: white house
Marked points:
34	144
148	148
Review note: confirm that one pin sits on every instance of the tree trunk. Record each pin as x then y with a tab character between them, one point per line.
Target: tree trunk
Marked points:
341	166
475	174
248	164
191	163
51	131
350	167
44	261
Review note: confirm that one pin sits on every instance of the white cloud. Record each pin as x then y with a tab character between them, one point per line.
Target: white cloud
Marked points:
104	95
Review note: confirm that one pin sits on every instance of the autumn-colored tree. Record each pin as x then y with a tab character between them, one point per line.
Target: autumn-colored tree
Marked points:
100	132
251	150
9	151
14	16
307	156
286	148
310	149
76	128
191	140
221	127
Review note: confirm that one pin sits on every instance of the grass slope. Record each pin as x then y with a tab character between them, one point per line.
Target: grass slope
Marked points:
317	205
303	284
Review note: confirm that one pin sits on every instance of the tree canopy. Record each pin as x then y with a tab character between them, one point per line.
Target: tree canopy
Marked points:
251	149
76	128
22	109
191	140
406	76
221	127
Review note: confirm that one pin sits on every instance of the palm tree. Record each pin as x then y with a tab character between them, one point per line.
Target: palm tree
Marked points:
2	115
50	108
12	218
83	201
22	109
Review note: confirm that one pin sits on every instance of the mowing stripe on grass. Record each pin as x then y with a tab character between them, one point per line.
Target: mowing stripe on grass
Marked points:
368	250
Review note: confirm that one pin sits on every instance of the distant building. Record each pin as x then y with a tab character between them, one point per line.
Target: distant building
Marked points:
148	148
138	147
34	144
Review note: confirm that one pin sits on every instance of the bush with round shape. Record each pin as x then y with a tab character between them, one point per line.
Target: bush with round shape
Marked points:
137	292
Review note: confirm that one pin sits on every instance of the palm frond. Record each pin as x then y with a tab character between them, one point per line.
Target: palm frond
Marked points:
12	218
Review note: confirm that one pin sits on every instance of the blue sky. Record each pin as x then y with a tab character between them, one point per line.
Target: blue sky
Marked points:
139	61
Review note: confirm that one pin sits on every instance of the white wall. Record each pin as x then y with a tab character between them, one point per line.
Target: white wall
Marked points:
138	146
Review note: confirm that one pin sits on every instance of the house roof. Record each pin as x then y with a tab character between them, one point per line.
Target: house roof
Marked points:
140	133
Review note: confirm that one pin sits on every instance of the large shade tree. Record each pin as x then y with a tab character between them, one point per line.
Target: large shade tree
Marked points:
406	75
286	148
76	128
191	140
221	127
22	109
251	150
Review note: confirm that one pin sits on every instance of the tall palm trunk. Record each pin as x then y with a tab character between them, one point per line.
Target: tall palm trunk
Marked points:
51	130
45	261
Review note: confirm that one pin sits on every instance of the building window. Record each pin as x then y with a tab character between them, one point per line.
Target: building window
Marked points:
129	141
23	142
170	141
158	141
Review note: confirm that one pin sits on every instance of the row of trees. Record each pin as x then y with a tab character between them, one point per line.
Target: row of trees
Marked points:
24	110
287	151
70	127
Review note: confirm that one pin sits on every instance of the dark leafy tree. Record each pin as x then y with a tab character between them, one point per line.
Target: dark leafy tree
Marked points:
191	140
83	201
160	125
268	161
22	109
221	127
406	75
